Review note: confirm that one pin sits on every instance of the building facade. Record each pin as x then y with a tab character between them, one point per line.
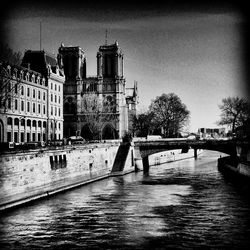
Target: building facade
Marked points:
51	98
95	107
32	99
211	132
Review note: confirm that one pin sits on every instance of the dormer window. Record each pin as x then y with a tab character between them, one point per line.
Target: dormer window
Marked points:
38	80
32	78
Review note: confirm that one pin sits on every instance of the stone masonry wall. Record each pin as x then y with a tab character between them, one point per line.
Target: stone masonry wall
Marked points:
29	174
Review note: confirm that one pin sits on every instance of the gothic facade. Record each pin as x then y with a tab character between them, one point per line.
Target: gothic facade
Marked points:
96	107
52	98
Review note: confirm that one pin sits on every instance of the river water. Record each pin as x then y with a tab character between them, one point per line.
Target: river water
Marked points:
186	204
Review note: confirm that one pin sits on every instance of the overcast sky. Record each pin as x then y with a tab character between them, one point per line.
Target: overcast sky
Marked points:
193	52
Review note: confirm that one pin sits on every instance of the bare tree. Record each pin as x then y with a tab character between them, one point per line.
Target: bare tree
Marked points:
235	112
9	87
96	112
8	55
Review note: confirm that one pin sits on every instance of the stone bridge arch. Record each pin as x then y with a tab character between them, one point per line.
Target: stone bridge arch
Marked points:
147	148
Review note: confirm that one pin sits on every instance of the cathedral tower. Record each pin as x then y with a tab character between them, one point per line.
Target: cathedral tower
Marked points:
109	61
73	61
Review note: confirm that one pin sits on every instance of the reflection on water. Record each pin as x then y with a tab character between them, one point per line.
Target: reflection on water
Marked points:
182	205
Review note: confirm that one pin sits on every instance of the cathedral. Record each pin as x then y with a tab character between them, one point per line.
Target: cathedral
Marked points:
51	98
98	107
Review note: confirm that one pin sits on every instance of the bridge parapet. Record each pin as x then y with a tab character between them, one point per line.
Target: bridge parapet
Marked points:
149	147
155	146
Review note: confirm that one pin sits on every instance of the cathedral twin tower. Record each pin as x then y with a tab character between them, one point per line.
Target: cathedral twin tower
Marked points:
96	107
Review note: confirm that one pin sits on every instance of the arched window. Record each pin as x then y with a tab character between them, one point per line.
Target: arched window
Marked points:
22	90
22	122
9	121
16	122
44	124
39	124
33	123
28	123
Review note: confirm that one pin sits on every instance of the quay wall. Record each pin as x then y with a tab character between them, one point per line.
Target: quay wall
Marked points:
171	155
30	175
231	166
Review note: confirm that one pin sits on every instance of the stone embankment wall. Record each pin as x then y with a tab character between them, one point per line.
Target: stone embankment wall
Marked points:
232	166
171	155
34	174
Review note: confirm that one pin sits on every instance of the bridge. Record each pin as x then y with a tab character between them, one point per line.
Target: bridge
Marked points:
149	147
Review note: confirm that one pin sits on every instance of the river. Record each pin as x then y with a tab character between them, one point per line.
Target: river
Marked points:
186	204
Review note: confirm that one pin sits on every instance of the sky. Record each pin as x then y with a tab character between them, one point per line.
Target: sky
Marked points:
195	51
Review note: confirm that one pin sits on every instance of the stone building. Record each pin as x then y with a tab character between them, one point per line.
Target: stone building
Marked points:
53	97
96	107
211	132
33	110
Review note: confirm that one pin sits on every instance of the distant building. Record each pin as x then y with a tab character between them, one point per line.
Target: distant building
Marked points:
211	132
34	107
107	88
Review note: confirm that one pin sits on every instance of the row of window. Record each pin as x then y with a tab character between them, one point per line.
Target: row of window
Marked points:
40	94
55	87
55	99
53	111
30	137
34	123
36	108
89	87
28	124
37	94
19	74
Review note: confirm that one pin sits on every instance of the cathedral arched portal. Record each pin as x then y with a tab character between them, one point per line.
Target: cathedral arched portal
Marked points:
108	132
86	132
